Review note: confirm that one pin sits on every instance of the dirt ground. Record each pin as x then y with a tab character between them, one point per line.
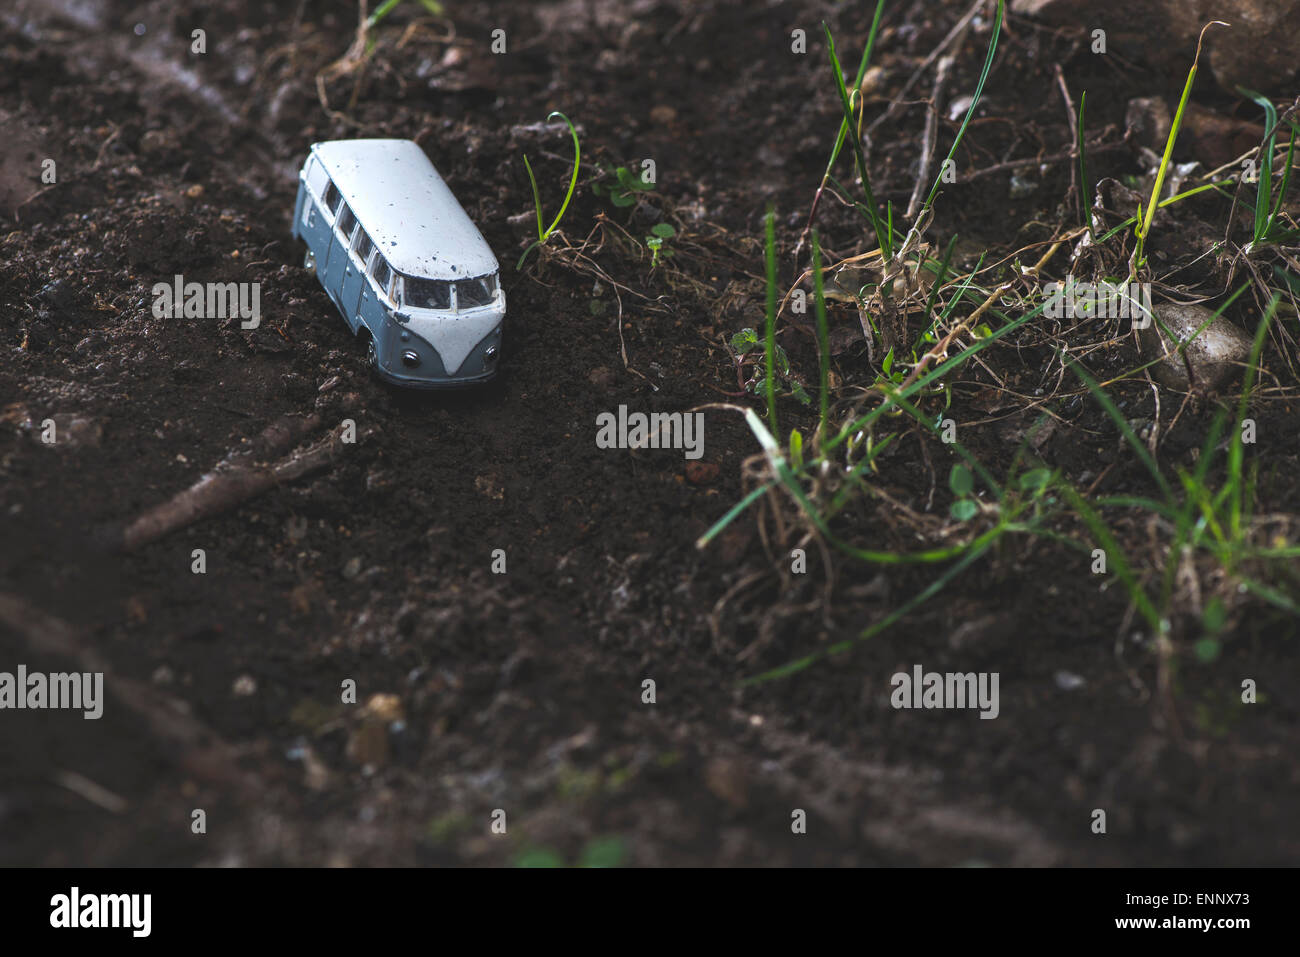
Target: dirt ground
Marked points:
523	691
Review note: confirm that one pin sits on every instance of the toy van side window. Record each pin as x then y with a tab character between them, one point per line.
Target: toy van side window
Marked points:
364	247
381	272
346	224
318	181
332	198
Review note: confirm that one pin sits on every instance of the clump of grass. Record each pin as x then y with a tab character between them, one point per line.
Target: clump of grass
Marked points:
543	234
819	476
820	479
1201	515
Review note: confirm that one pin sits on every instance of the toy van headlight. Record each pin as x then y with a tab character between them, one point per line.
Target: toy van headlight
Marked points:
410	358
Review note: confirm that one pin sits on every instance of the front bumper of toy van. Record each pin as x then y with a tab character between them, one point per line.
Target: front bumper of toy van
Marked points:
412	361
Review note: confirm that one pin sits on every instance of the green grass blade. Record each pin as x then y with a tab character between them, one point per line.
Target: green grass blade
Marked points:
732	514
883	239
1085	191
573	179
970	111
1235	449
1284	185
1264	175
939	279
846	125
1145	229
537	200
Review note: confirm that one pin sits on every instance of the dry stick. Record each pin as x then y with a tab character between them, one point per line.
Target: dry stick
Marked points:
929	134
953	35
237	478
1096	147
1074	143
195	747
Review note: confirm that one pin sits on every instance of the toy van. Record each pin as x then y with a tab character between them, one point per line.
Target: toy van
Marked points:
406	267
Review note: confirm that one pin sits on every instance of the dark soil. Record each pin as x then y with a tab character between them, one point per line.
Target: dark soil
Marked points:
523	691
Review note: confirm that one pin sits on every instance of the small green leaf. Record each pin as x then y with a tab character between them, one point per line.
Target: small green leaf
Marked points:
663	230
744	341
782	361
796	449
801	394
1207	650
888	362
964	509
1035	480
961	481
1214	617
603	852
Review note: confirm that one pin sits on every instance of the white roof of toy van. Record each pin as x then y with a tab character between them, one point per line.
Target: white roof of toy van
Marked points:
406	208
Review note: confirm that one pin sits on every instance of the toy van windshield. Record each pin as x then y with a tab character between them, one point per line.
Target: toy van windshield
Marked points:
407	268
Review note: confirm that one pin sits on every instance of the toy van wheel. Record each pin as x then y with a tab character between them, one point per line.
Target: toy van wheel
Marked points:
309	261
372	354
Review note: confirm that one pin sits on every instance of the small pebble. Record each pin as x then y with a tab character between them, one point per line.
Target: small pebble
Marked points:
1069	681
244	686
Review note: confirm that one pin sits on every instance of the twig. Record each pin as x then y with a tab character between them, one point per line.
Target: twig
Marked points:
1036	160
237	478
949	40
1074	141
96	794
928	136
